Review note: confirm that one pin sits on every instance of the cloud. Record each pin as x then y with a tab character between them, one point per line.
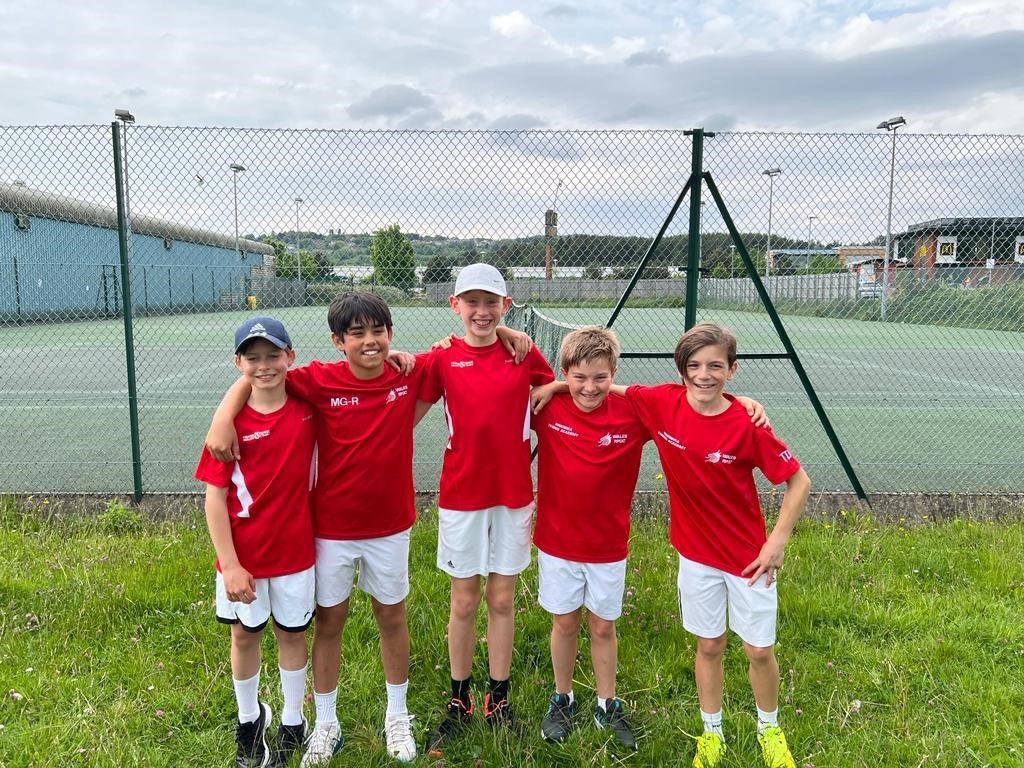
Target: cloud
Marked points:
389	101
564	12
517	122
514	24
648	59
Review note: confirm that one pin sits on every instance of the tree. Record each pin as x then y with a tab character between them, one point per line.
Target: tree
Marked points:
286	266
439	269
393	259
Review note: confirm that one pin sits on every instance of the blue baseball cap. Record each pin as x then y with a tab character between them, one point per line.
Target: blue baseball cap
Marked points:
262	328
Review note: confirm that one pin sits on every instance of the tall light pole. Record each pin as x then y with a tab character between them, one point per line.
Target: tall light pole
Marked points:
810	220
126	118
298	251
235	170
890	125
771	173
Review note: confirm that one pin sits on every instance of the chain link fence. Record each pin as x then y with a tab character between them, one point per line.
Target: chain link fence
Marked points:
916	351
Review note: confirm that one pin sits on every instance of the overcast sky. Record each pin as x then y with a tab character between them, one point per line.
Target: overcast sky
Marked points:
948	65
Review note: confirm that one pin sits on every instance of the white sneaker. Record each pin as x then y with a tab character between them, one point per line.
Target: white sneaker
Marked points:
398	736
324	742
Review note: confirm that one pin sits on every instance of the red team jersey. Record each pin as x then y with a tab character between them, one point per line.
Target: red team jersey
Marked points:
487	407
587	468
715	515
364	486
268	488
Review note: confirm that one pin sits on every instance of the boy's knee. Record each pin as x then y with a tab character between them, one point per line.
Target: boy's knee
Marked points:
500	603
330	621
464	604
711	647
243	639
390	618
759	655
601	629
566	624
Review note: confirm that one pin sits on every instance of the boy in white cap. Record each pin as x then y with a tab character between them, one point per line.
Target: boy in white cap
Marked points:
485	505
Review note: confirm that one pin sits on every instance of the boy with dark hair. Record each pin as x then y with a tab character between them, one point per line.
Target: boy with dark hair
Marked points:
485	505
363	504
727	563
258	513
364	444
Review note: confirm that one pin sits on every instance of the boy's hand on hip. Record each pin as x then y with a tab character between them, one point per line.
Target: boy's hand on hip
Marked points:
768	563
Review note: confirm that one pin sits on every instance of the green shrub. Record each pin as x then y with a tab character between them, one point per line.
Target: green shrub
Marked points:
116	518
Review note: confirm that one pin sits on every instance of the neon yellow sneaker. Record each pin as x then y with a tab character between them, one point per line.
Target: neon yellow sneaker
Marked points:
774	749
710	751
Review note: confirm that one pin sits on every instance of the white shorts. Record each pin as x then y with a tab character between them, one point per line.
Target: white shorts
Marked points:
289	599
704	593
383	566
565	585
492	540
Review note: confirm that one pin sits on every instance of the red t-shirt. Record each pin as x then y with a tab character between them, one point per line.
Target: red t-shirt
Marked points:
268	488
487	407
709	461
587	468
364	484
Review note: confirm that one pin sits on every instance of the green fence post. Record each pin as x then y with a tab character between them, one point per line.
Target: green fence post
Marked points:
693	238
126	303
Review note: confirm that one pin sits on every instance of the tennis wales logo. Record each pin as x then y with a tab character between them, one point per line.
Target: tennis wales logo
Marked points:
391	397
717	457
605	439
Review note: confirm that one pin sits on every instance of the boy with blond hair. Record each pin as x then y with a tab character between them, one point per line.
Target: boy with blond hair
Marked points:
589	448
727	564
485	505
258	514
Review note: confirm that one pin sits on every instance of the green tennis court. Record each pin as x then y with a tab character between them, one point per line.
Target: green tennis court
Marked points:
918	408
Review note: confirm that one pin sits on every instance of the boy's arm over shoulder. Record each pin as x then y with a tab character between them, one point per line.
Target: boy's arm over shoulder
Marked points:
540	371
221	438
238	582
541	395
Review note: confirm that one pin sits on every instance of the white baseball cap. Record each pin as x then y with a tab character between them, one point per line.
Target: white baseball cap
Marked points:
480	277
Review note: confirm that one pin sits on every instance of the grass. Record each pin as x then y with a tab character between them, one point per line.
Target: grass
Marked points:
898	645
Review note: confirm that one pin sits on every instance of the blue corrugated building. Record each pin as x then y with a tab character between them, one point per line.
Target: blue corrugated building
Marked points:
59	259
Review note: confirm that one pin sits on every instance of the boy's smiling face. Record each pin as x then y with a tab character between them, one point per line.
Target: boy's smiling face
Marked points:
481	312
589	382
705	376
263	364
366	347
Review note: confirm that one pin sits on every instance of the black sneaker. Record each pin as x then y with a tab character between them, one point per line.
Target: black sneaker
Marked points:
614	717
498	714
289	739
251	737
456	717
557	720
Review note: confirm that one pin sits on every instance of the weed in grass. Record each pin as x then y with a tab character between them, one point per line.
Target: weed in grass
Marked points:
117	518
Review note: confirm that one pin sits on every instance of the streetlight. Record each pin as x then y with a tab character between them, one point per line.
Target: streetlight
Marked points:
771	173
298	253
235	170
126	118
889	125
810	220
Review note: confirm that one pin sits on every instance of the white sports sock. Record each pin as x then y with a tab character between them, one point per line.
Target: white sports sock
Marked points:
396	698
326	707
293	690
713	722
766	719
247	698
602	703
